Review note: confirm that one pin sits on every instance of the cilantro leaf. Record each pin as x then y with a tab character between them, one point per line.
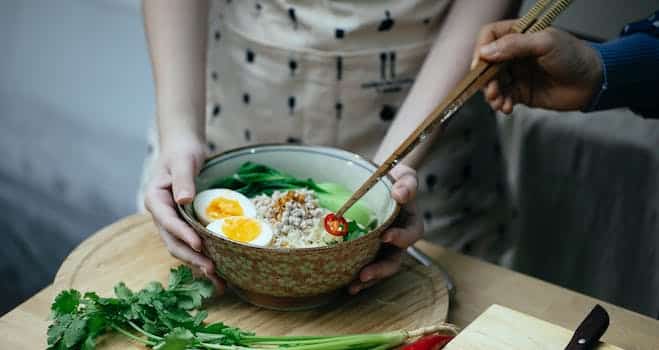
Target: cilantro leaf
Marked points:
89	344
177	315
191	293
96	324
154	315
90	297
153	327
66	302
189	300
199	318
178	276
231	335
75	332
204	287
57	328
122	292
177	339
154	287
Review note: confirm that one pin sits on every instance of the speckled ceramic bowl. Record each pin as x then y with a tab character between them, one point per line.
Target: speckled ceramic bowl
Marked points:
290	279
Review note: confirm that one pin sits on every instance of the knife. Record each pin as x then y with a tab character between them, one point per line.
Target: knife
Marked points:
591	329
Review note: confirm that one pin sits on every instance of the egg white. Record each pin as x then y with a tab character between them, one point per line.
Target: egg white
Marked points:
204	198
262	240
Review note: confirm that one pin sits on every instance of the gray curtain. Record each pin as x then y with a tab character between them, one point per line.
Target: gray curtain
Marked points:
587	191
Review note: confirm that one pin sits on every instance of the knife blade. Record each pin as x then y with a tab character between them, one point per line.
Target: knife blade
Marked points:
591	329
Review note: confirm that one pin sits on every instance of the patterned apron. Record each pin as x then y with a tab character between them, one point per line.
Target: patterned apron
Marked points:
334	73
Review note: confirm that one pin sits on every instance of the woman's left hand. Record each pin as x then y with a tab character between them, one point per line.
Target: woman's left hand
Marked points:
407	229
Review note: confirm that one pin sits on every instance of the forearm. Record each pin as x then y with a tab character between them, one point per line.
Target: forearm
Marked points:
446	64
629	74
177	34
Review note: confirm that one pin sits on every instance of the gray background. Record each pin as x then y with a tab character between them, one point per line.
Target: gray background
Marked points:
75	101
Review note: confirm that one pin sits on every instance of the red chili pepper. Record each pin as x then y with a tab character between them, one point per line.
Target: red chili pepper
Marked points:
430	342
336	225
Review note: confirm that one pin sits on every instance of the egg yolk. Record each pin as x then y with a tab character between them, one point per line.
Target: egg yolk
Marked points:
241	229
221	207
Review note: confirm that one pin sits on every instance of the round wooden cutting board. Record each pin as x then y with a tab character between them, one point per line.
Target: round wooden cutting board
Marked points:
131	251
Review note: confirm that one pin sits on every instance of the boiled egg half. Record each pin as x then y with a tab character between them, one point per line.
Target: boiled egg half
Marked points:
243	229
216	204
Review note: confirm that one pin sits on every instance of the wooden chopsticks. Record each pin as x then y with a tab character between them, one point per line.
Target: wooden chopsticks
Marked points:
539	17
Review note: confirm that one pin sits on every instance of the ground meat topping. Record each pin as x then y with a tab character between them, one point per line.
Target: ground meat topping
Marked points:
295	217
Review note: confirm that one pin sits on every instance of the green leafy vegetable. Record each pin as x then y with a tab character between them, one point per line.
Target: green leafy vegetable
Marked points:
177	339
335	195
160	318
66	302
253	179
74	332
152	312
57	328
355	230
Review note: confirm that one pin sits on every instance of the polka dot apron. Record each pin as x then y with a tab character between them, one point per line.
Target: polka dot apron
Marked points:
334	73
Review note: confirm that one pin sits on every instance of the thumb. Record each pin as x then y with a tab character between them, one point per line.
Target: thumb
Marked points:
516	46
183	172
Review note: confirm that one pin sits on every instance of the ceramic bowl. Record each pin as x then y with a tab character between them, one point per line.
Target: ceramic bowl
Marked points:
293	279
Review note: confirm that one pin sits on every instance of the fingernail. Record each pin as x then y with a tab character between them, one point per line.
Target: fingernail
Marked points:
474	62
183	196
489	49
387	238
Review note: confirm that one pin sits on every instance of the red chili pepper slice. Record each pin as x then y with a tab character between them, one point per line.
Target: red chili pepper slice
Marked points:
430	342
336	225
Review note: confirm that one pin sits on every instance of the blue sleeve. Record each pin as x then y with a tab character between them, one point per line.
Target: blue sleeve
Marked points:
630	73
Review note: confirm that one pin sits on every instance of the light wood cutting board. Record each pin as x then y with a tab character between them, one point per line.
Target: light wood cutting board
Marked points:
500	328
131	251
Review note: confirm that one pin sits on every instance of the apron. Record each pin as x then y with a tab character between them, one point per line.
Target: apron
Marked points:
334	73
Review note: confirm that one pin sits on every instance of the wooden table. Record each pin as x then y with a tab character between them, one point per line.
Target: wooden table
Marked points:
479	285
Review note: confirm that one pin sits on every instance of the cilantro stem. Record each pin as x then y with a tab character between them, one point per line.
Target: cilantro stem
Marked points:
255	338
224	347
178	290
309	341
131	335
294	338
376	341
353	341
210	336
137	328
381	341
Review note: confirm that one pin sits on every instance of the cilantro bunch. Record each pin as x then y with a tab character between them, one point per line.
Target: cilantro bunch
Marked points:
155	316
171	319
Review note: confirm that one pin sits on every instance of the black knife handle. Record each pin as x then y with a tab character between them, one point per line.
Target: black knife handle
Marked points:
591	329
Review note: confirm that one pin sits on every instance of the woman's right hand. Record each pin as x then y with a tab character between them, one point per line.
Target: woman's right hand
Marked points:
173	182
